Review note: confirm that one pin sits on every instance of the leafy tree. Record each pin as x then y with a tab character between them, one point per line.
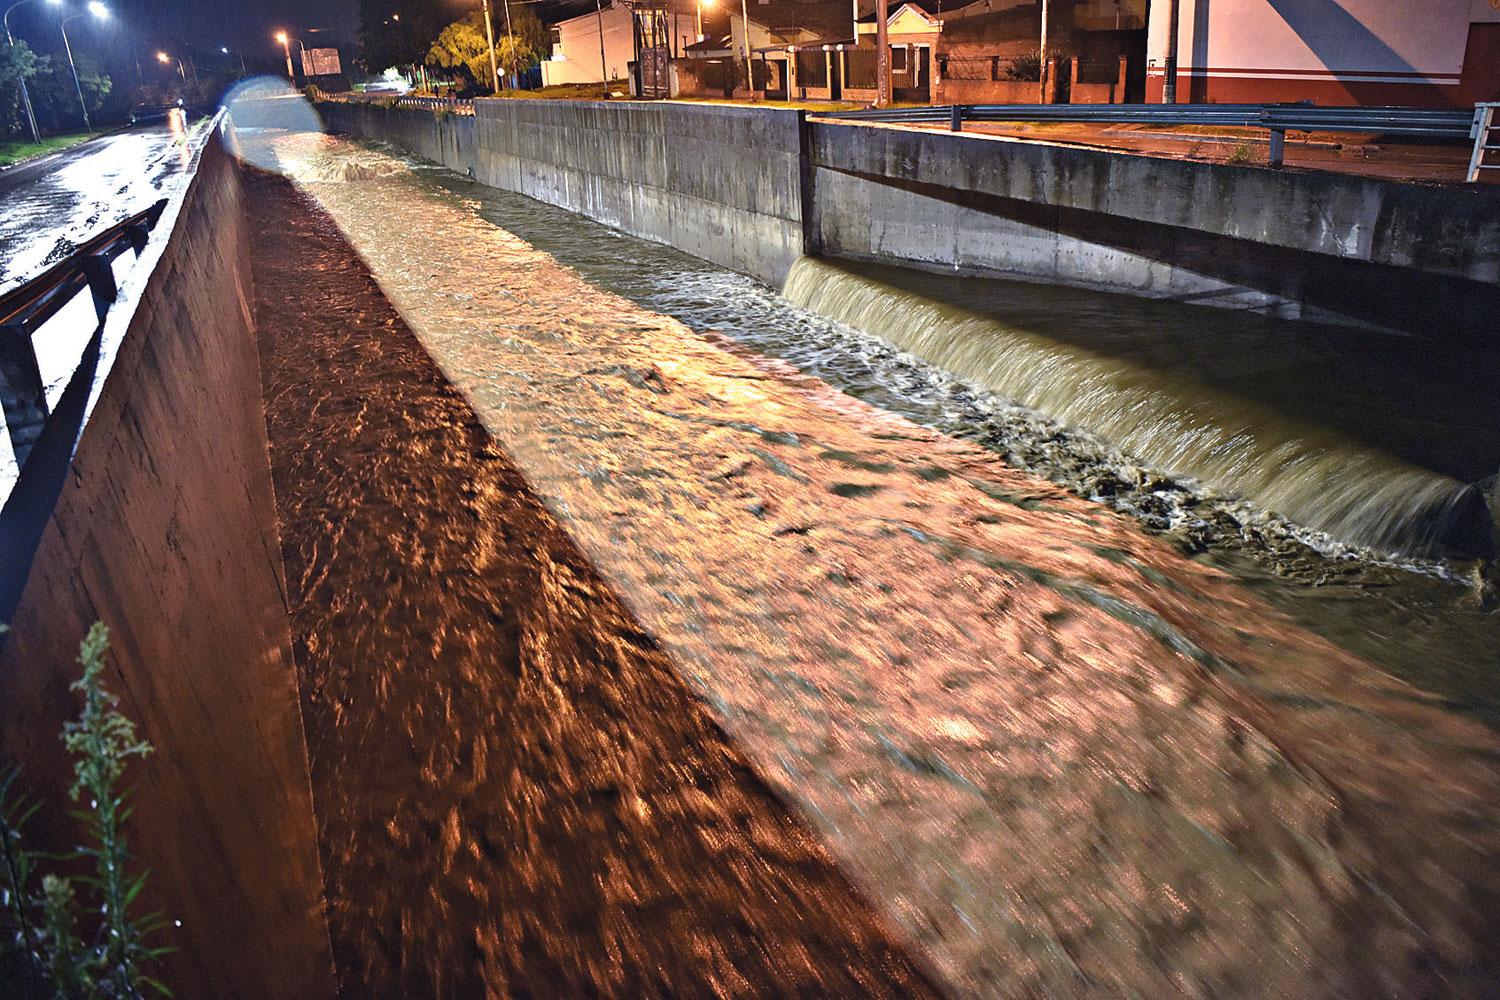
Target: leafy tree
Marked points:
54	98
17	62
462	45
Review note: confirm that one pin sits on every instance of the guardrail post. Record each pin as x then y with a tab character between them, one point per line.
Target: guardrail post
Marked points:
957	121
22	395
101	283
1278	147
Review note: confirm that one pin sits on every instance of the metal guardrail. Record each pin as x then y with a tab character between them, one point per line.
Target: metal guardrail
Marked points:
1457	124
27	307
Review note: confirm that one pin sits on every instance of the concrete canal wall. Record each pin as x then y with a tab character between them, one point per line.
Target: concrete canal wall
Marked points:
750	188
722	183
164	528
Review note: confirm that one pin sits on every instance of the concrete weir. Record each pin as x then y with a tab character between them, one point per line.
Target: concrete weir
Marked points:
155	514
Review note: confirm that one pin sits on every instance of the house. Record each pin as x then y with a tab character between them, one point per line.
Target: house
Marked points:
1373	52
576	56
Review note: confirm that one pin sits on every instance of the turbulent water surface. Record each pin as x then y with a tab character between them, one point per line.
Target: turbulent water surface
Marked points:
1063	757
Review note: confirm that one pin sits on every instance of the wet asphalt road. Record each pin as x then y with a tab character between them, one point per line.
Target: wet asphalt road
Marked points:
49	205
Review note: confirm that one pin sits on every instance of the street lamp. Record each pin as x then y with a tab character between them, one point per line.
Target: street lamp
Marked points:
21	80
167	60
226	50
101	12
701	5
286	47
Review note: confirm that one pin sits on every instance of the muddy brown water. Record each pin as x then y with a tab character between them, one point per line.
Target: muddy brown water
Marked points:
1057	755
516	794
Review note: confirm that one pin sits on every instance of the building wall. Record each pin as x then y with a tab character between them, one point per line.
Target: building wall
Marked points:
579	48
165	529
1329	51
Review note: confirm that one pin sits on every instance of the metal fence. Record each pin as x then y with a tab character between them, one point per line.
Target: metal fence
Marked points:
1438	124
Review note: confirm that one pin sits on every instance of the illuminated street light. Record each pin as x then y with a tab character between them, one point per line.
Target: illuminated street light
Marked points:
286	47
101	13
167	60
21	81
230	52
701	5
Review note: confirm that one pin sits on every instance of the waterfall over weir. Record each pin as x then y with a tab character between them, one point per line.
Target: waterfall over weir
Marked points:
1161	413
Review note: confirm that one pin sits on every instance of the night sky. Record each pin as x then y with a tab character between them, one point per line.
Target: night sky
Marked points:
138	28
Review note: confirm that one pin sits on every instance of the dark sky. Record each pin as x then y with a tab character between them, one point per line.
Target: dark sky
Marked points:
138	28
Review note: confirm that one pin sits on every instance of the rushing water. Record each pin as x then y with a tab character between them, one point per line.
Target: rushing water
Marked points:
1421	420
1066	759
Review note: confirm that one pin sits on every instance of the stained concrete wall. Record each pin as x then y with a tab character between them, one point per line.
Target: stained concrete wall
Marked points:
751	187
719	182
1416	258
164	528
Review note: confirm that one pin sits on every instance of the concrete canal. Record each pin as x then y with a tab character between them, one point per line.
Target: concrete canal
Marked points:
1072	715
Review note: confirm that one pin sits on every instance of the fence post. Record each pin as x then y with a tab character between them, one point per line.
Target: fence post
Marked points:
956	122
1278	147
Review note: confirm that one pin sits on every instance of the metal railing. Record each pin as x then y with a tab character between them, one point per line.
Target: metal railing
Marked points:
1440	124
453	104
27	307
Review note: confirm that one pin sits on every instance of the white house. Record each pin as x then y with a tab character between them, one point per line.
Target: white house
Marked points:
575	47
1403	52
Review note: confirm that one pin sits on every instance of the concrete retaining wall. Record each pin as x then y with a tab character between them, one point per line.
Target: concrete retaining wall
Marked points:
750	187
164	528
1421	259
722	183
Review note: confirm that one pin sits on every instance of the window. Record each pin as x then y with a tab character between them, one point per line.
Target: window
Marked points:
898	58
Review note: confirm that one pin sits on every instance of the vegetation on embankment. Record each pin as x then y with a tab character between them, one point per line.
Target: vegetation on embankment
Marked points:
13	151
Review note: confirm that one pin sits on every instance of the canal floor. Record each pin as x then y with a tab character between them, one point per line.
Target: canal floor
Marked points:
1059	756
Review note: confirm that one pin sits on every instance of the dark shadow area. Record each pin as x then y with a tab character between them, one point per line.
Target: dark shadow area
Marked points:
34	495
516	793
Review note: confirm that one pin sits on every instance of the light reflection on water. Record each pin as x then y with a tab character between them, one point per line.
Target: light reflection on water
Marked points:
1064	758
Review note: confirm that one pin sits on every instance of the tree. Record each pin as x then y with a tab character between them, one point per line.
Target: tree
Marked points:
17	63
462	45
55	99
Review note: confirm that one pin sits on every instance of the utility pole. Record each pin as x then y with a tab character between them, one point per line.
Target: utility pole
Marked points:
489	34
1044	52
1169	85
511	77
745	20
603	61
883	55
21	80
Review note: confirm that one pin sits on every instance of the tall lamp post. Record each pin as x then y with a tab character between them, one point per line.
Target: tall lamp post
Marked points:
167	60
286	48
225	49
701	5
101	12
25	94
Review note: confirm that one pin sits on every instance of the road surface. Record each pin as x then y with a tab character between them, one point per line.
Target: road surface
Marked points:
49	205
